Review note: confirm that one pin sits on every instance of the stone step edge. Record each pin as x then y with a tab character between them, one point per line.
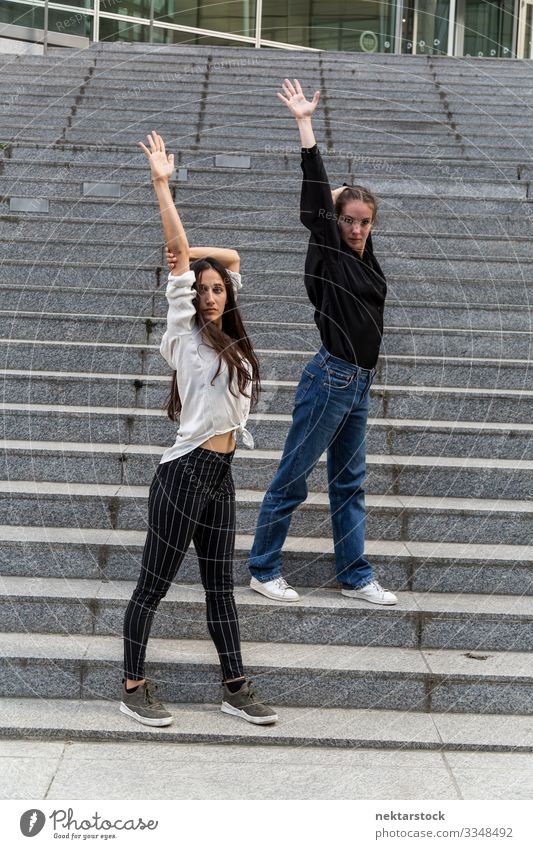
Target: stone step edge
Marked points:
139	169
261	454
154	269
389	329
426	424
423	606
454	159
503	362
249	497
380	661
126	222
159	293
288	231
489	555
282	177
27	718
449	137
378	389
268	176
192	205
432	118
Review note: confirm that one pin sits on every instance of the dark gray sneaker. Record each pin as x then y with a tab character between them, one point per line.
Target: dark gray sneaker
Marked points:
143	706
244	703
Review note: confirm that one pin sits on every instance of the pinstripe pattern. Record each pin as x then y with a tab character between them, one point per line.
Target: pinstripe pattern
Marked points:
192	498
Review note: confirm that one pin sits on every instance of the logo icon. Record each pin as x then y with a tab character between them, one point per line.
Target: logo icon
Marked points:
32	822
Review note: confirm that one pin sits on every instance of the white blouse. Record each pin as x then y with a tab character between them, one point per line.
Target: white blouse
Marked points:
208	408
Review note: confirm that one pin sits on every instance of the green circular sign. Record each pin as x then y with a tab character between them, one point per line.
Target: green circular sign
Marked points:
368	41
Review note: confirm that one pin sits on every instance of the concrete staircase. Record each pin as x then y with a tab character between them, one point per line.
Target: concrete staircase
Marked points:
446	145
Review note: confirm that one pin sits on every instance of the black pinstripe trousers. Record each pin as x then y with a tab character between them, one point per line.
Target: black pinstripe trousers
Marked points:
191	498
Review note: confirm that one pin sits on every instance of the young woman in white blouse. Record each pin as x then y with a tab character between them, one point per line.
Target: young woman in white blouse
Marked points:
192	496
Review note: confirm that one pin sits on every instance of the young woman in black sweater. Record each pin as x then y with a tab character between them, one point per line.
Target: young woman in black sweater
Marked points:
347	288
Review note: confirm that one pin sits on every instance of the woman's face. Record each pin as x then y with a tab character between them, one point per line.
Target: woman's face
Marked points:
355	223
211	296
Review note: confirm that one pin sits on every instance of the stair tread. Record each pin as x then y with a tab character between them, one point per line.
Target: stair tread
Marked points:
314	545
424	424
396	388
324	726
254	496
404	460
456	605
373	660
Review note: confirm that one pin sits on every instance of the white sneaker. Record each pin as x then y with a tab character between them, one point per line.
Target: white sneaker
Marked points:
373	592
277	589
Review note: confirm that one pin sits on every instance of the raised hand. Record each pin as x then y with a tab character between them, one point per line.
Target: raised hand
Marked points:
161	164
295	101
336	192
170	258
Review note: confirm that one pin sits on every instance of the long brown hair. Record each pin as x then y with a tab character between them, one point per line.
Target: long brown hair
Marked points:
230	342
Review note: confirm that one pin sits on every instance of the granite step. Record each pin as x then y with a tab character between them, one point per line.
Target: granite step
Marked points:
423	621
284	184
74	666
19	130
390	517
389	242
476	297
142	426
82	223
68	203
404	305
150	393
386	474
422	567
99	720
405	369
409	339
419	267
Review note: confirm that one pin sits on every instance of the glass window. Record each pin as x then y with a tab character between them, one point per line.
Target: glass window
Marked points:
425	26
113	30
82	4
174	36
70	23
235	16
22	16
363	25
488	28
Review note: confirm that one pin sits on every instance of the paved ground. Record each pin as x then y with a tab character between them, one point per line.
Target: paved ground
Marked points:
63	770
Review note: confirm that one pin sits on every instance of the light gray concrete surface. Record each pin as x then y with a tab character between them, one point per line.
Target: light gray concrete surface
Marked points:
173	771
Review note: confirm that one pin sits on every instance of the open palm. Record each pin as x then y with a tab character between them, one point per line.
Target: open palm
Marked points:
295	100
161	164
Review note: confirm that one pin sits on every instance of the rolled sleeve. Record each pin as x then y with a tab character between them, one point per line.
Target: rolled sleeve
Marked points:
181	312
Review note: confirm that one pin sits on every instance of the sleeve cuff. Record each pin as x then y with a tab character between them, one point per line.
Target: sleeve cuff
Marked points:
185	279
236	280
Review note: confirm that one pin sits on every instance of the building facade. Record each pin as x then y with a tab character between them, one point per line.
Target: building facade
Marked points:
499	28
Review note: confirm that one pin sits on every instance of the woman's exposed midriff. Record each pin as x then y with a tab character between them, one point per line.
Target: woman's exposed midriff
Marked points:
223	442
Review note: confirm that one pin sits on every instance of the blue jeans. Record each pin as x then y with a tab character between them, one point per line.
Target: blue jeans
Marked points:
330	412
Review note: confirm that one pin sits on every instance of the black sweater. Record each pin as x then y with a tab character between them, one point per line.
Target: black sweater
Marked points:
346	290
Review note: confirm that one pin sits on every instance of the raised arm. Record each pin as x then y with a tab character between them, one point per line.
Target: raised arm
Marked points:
227	257
162	167
317	211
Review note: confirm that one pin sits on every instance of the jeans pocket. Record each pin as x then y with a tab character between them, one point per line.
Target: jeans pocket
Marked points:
334	379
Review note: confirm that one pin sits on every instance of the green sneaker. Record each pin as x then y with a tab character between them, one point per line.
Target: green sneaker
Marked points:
143	706
244	703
